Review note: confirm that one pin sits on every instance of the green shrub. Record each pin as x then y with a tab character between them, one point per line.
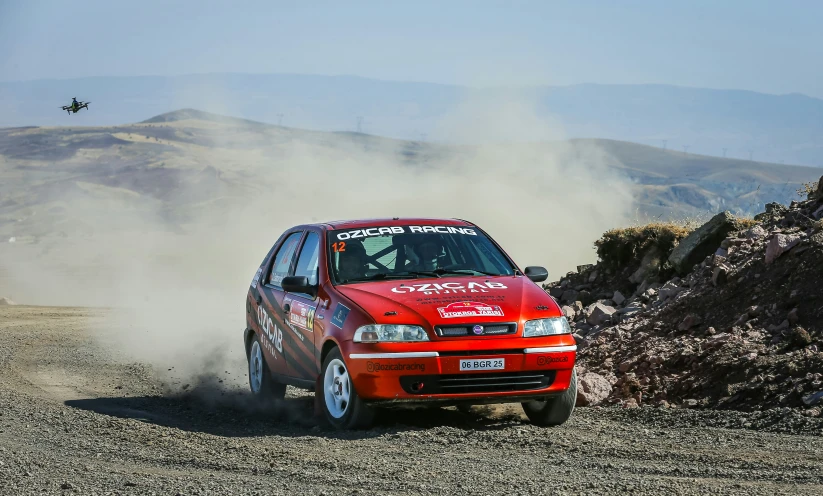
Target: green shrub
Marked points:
619	247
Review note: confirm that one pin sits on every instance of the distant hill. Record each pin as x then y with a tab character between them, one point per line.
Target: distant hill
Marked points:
193	114
770	128
182	160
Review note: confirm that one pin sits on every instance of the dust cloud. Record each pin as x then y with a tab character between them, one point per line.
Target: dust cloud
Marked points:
176	288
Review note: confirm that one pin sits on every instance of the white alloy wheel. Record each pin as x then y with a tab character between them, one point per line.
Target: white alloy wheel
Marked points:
263	386
256	368
337	388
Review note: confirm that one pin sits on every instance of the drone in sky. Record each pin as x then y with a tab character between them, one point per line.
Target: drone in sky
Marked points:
75	106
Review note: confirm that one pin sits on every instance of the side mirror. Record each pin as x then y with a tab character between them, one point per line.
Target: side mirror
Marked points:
298	284
537	274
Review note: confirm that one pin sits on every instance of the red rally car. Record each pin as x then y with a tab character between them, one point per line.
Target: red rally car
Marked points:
372	313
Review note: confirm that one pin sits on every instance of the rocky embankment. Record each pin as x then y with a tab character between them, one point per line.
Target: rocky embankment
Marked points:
728	315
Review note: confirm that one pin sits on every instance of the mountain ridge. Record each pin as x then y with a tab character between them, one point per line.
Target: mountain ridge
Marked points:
771	127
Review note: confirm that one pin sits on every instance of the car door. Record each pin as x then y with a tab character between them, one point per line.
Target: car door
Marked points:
271	314
300	311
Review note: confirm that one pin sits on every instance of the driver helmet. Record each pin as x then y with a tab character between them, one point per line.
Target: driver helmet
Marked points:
351	262
428	249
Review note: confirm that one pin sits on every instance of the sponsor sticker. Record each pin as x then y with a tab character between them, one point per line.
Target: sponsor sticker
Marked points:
449	288
295	331
302	315
338	318
547	360
395	367
446	299
273	334
470	309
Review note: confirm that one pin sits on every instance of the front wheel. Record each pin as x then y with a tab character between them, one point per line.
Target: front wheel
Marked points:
342	406
553	411
261	383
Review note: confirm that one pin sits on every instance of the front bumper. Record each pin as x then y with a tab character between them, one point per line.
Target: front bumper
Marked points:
426	375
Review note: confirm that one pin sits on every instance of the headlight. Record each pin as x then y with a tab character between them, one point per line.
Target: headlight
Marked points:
546	327
377	333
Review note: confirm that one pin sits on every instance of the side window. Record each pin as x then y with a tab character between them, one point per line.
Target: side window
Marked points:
307	262
282	261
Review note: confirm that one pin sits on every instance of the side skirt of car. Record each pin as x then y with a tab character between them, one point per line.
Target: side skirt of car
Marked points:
306	384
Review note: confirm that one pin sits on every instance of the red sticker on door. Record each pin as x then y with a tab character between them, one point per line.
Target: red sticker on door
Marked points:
469	309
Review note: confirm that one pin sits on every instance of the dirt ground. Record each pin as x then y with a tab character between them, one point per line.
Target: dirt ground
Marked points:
74	418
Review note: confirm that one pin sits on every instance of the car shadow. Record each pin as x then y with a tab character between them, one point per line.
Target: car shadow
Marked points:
241	415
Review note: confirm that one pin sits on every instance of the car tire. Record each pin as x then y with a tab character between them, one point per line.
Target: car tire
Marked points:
553	411
342	407
261	383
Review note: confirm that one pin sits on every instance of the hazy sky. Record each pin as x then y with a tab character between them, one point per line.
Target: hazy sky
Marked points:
770	46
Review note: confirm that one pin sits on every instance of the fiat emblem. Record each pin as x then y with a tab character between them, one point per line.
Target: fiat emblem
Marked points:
478	329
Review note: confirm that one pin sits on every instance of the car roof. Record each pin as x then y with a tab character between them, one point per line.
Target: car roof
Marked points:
394	221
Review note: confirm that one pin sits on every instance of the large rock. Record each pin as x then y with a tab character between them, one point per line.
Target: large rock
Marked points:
592	389
569	296
756	232
669	290
780	244
600	314
702	242
690	321
773	210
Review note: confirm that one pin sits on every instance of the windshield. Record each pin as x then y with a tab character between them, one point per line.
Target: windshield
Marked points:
409	252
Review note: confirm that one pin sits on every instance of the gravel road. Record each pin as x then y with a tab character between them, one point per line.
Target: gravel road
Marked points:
74	419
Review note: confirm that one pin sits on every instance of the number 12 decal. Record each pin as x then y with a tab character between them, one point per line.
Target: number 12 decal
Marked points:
339	246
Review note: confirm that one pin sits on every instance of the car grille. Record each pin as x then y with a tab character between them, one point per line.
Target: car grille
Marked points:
477	383
465	330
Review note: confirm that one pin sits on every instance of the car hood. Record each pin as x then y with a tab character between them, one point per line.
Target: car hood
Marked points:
452	300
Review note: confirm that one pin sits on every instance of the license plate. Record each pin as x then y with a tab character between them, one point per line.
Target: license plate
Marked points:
483	364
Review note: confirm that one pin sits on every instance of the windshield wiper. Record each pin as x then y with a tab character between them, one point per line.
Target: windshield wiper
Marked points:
378	277
429	273
468	272
415	273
